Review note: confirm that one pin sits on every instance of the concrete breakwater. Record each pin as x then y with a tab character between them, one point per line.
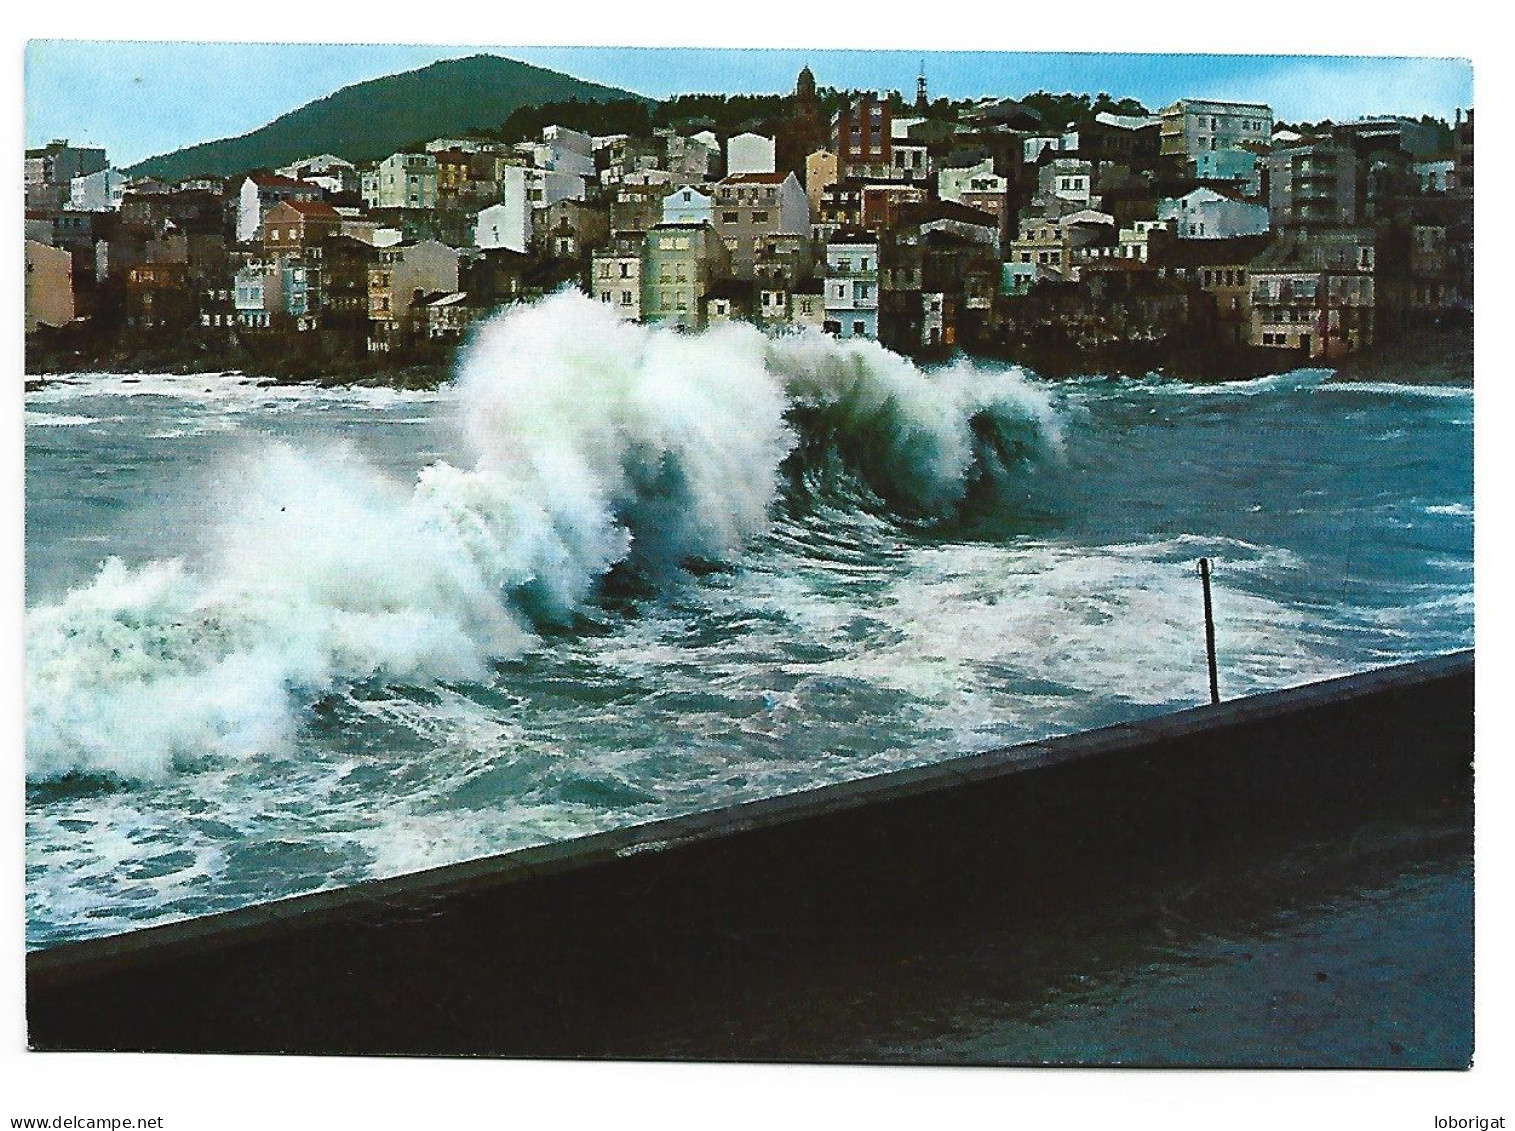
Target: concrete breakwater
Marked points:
568	948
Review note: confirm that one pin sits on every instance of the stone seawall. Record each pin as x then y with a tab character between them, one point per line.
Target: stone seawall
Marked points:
566	949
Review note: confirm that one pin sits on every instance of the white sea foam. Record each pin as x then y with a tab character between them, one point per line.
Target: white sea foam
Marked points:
1398	389
596	442
228	392
56	420
1117	621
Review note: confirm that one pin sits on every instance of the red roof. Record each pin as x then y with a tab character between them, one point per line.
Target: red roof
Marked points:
314	209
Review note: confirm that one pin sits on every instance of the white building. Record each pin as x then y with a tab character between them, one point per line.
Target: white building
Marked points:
510	223
1135	242
459	144
852	285
1069	179
255	294
644	177
261	191
563	150
402	180
750	153
1192	125
688	205
568	141
1032	148
953	183
500	225
326	169
98	192
1205	214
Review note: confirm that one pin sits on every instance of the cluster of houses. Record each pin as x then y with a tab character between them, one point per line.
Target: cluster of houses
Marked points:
981	228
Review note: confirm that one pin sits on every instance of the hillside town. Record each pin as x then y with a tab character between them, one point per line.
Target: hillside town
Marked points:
1204	231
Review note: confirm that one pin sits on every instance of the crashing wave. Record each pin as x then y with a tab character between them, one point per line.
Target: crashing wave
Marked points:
597	444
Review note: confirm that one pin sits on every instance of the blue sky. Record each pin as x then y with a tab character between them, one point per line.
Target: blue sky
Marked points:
142	98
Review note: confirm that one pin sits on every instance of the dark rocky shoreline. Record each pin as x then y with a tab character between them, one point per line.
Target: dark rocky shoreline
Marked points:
1435	355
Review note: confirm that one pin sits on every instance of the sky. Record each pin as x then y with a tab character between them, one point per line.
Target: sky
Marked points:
139	99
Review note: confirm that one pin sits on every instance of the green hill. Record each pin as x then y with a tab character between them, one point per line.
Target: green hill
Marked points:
370	120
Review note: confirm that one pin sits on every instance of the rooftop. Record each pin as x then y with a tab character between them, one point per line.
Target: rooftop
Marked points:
946	210
314	209
757	178
853	235
1209	253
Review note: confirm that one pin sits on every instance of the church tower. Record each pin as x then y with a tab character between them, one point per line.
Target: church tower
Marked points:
805	130
804	88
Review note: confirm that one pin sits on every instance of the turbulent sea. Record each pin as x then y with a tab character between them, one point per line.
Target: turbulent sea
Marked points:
287	638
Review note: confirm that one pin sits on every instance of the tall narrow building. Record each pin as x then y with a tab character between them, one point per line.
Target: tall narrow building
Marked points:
804	131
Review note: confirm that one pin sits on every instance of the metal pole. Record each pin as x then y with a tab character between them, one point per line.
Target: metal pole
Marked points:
1204	575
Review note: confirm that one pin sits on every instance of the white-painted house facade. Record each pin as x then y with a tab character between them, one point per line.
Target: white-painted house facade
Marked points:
563	150
328	170
750	153
1068	179
98	192
953	183
402	180
852	286
261	191
751	207
1205	214
510	223
688	205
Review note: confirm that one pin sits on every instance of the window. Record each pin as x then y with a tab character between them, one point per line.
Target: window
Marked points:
760	217
729	217
859	329
625	298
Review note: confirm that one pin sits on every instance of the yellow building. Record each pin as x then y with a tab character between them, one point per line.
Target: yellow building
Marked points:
49	286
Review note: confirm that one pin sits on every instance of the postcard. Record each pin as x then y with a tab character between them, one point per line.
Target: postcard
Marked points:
825	556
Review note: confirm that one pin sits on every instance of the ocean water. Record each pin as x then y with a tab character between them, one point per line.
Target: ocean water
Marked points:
281	639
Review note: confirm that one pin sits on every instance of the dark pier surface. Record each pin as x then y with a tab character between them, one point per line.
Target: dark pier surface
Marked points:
1278	880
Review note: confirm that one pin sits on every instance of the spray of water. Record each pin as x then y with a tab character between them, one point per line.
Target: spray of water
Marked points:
597	444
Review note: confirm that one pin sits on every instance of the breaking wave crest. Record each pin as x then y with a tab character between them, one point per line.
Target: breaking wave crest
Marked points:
597	445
